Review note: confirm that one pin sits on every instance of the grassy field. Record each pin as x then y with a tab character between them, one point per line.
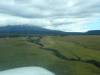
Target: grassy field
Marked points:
63	55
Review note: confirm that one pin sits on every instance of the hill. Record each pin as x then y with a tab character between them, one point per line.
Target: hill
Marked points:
28	30
93	32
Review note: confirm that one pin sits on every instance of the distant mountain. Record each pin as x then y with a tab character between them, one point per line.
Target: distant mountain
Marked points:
24	30
93	32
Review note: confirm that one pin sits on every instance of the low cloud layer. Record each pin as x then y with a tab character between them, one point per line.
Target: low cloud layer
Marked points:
64	15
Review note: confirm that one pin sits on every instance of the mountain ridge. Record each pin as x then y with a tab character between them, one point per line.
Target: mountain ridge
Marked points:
29	30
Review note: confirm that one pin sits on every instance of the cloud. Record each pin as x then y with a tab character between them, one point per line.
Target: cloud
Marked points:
64	15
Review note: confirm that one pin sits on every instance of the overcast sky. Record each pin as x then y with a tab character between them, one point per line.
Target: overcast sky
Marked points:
64	15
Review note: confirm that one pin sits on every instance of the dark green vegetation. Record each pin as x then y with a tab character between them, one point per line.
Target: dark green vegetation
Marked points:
63	55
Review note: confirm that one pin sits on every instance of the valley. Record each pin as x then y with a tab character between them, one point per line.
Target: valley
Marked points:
63	55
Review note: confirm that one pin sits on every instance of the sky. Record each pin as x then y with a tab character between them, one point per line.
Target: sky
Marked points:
27	71
64	15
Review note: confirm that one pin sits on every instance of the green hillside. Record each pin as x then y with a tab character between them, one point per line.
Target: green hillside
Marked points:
63	55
